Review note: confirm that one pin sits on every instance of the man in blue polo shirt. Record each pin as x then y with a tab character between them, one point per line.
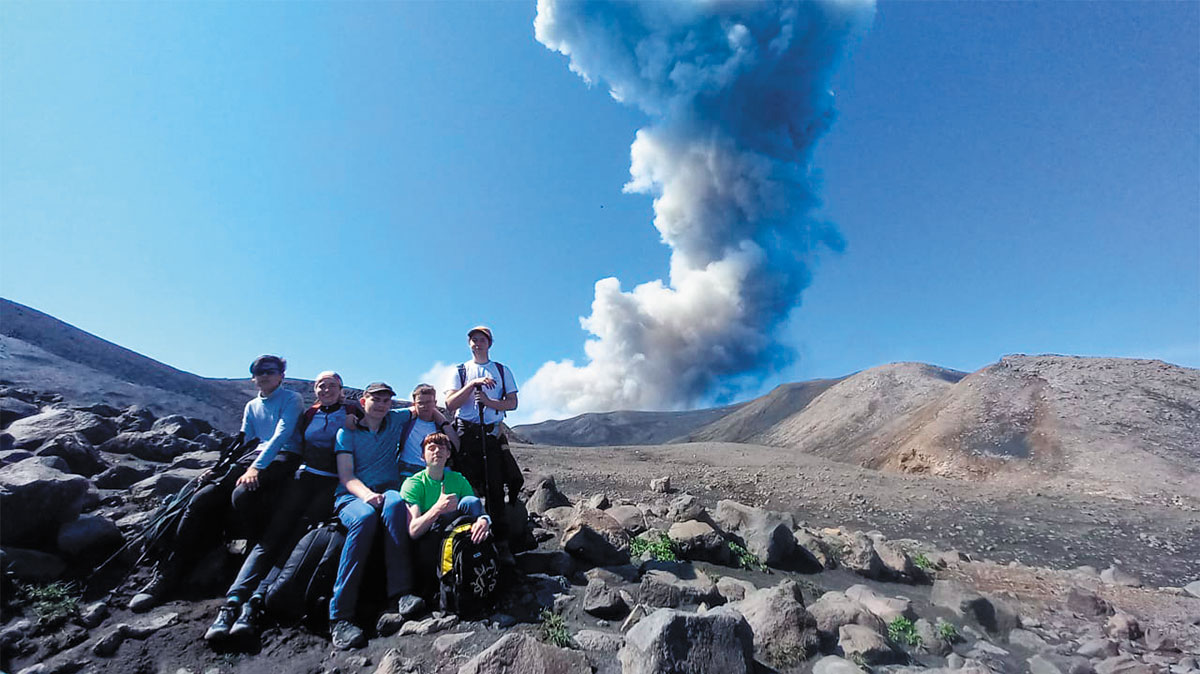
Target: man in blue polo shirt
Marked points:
373	460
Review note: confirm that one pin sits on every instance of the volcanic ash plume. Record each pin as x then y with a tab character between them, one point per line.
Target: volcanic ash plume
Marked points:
739	94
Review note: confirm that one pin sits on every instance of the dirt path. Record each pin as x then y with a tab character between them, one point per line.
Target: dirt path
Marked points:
1047	526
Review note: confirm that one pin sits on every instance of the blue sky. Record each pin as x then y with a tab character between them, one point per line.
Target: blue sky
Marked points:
353	185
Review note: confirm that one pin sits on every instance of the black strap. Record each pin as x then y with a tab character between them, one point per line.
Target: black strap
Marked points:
462	378
404	433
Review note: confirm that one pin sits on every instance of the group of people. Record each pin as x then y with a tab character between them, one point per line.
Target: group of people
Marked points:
377	468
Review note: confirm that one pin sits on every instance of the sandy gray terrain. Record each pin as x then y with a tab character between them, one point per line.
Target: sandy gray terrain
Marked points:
1158	539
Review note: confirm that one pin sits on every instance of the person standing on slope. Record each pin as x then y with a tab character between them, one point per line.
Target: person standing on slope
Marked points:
481	383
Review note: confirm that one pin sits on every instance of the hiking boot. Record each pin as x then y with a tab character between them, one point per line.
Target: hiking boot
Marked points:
248	622
409	605
221	626
346	635
152	594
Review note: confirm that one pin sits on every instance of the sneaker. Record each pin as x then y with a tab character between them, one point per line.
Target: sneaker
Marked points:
221	626
409	605
346	635
251	617
152	594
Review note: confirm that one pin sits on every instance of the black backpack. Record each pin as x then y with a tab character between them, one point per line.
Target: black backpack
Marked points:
468	573
304	585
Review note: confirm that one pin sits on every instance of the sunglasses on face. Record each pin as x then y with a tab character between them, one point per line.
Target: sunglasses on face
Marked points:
267	371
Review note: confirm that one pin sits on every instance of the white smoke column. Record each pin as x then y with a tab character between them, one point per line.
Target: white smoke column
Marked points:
739	95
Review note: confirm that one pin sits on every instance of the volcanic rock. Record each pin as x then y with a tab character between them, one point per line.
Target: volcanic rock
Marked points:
674	641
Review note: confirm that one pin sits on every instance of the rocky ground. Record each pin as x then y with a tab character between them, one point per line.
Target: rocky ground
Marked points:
832	568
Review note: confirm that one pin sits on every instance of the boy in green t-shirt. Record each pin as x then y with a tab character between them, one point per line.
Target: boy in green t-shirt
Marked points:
437	494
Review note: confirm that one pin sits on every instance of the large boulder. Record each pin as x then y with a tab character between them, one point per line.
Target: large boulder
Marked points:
992	614
630	517
90	536
12	409
135	419
896	562
123	475
685	507
862	644
812	553
81	456
784	632
546	496
165	483
596	538
697	540
887	608
36	500
32	432
150	446
858	555
522	654
33	566
835	609
765	533
673	585
674	641
176	425
603	598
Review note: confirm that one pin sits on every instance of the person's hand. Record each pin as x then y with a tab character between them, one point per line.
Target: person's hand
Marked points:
374	500
485	381
249	479
351	422
480	530
446	503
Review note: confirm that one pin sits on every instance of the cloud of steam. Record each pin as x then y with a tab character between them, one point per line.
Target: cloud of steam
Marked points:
739	94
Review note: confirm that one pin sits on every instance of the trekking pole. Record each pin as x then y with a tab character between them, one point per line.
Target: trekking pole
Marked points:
487	474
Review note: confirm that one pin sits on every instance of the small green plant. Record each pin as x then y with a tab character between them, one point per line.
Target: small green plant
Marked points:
903	631
745	559
52	601
947	631
661	548
858	659
554	629
922	562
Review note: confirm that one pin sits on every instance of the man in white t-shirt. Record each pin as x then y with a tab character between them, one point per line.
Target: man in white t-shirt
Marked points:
481	383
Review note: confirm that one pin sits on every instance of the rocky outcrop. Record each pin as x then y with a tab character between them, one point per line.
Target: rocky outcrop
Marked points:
674	641
36	500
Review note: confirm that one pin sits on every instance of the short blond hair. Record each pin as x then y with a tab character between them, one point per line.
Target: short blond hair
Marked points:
329	373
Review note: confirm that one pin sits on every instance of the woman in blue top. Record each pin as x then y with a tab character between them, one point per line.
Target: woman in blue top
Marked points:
308	498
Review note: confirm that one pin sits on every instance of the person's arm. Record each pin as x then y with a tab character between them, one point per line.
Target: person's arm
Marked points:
445	426
284	429
345	469
419	524
506	404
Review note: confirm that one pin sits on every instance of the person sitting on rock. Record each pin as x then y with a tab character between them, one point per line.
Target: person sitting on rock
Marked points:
269	418
306	499
435	497
372	461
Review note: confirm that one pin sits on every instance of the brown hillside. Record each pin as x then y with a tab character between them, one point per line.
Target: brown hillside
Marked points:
1118	426
841	422
749	422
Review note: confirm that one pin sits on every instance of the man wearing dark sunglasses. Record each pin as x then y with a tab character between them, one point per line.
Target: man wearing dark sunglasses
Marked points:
271	418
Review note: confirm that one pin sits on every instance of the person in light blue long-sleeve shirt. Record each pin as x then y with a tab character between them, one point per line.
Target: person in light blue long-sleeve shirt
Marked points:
271	417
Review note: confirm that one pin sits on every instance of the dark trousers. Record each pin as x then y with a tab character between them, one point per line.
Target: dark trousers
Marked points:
305	500
488	482
255	508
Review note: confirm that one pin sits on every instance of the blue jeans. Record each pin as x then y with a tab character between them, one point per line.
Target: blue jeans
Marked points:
361	522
